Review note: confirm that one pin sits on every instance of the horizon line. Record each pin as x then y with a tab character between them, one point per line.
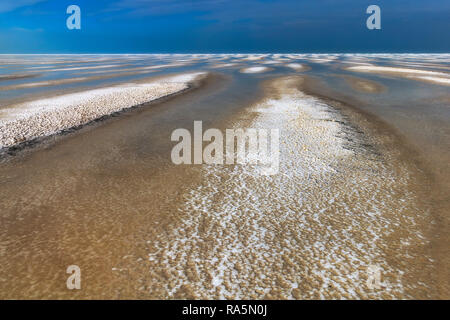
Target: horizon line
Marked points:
227	53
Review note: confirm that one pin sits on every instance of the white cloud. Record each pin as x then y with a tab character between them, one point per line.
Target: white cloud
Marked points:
10	5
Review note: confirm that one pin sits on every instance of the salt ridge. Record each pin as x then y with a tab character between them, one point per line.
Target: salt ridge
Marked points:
310	231
26	121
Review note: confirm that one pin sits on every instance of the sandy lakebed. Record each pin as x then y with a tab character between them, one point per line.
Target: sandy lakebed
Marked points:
86	179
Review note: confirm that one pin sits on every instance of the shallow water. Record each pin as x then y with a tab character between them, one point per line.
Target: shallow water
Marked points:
108	198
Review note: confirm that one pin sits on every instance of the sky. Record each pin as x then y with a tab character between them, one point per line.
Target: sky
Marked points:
221	26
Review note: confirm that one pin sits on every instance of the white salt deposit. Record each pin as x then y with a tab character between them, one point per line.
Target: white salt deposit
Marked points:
25	121
379	69
439	80
308	232
296	66
254	70
224	65
414	74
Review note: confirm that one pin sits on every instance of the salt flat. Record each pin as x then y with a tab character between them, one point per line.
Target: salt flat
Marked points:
26	121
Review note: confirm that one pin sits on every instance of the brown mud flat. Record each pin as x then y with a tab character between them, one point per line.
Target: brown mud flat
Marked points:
308	237
91	198
108	199
18	76
429	181
364	85
427	76
50	83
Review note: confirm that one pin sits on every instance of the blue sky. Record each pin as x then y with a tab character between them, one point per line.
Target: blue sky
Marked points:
146	26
